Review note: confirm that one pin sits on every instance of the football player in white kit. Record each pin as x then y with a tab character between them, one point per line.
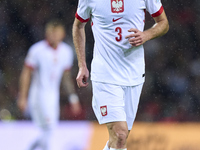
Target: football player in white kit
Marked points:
118	68
45	64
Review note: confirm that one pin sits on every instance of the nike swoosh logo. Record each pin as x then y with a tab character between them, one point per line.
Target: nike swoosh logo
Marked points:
114	20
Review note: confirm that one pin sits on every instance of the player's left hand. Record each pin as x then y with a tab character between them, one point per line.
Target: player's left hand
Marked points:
137	38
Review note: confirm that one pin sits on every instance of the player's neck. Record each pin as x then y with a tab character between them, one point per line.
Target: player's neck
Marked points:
53	45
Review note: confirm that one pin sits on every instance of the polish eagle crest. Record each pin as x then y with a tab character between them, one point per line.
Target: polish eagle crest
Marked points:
117	5
103	110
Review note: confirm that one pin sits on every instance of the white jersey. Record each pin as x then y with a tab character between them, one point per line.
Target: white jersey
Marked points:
115	61
49	65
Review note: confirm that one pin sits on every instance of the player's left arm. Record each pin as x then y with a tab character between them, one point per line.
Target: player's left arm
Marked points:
73	97
160	28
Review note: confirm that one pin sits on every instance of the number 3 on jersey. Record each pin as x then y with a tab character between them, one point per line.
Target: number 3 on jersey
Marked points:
119	31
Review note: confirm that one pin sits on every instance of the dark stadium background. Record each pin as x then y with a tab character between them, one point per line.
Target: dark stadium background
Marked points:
172	89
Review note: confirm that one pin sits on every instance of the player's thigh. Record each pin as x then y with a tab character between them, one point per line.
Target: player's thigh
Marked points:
108	102
45	114
132	97
51	112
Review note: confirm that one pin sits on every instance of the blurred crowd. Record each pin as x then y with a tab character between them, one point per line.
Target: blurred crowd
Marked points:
172	89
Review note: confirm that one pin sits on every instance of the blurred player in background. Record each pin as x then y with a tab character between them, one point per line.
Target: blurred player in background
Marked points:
45	64
118	68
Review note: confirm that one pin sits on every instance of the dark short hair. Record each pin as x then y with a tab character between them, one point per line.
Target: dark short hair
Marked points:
54	23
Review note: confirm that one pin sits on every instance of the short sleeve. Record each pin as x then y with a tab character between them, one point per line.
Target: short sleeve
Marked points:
83	11
154	7
69	59
31	58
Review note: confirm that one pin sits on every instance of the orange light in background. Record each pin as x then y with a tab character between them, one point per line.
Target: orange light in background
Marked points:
153	136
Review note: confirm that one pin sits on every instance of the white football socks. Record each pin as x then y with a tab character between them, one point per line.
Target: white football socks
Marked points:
106	147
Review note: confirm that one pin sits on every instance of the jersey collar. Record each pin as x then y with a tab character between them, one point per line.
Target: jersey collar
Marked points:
51	46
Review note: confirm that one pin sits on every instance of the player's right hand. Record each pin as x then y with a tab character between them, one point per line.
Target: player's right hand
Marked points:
82	77
22	104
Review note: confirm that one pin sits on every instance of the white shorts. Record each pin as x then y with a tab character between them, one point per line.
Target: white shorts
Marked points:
44	111
112	103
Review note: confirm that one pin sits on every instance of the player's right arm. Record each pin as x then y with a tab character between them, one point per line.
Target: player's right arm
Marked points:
79	43
24	84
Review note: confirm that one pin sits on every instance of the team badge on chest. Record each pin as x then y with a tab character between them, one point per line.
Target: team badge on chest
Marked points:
117	6
103	110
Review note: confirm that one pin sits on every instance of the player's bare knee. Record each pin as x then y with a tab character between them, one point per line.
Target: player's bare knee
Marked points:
121	137
120	134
